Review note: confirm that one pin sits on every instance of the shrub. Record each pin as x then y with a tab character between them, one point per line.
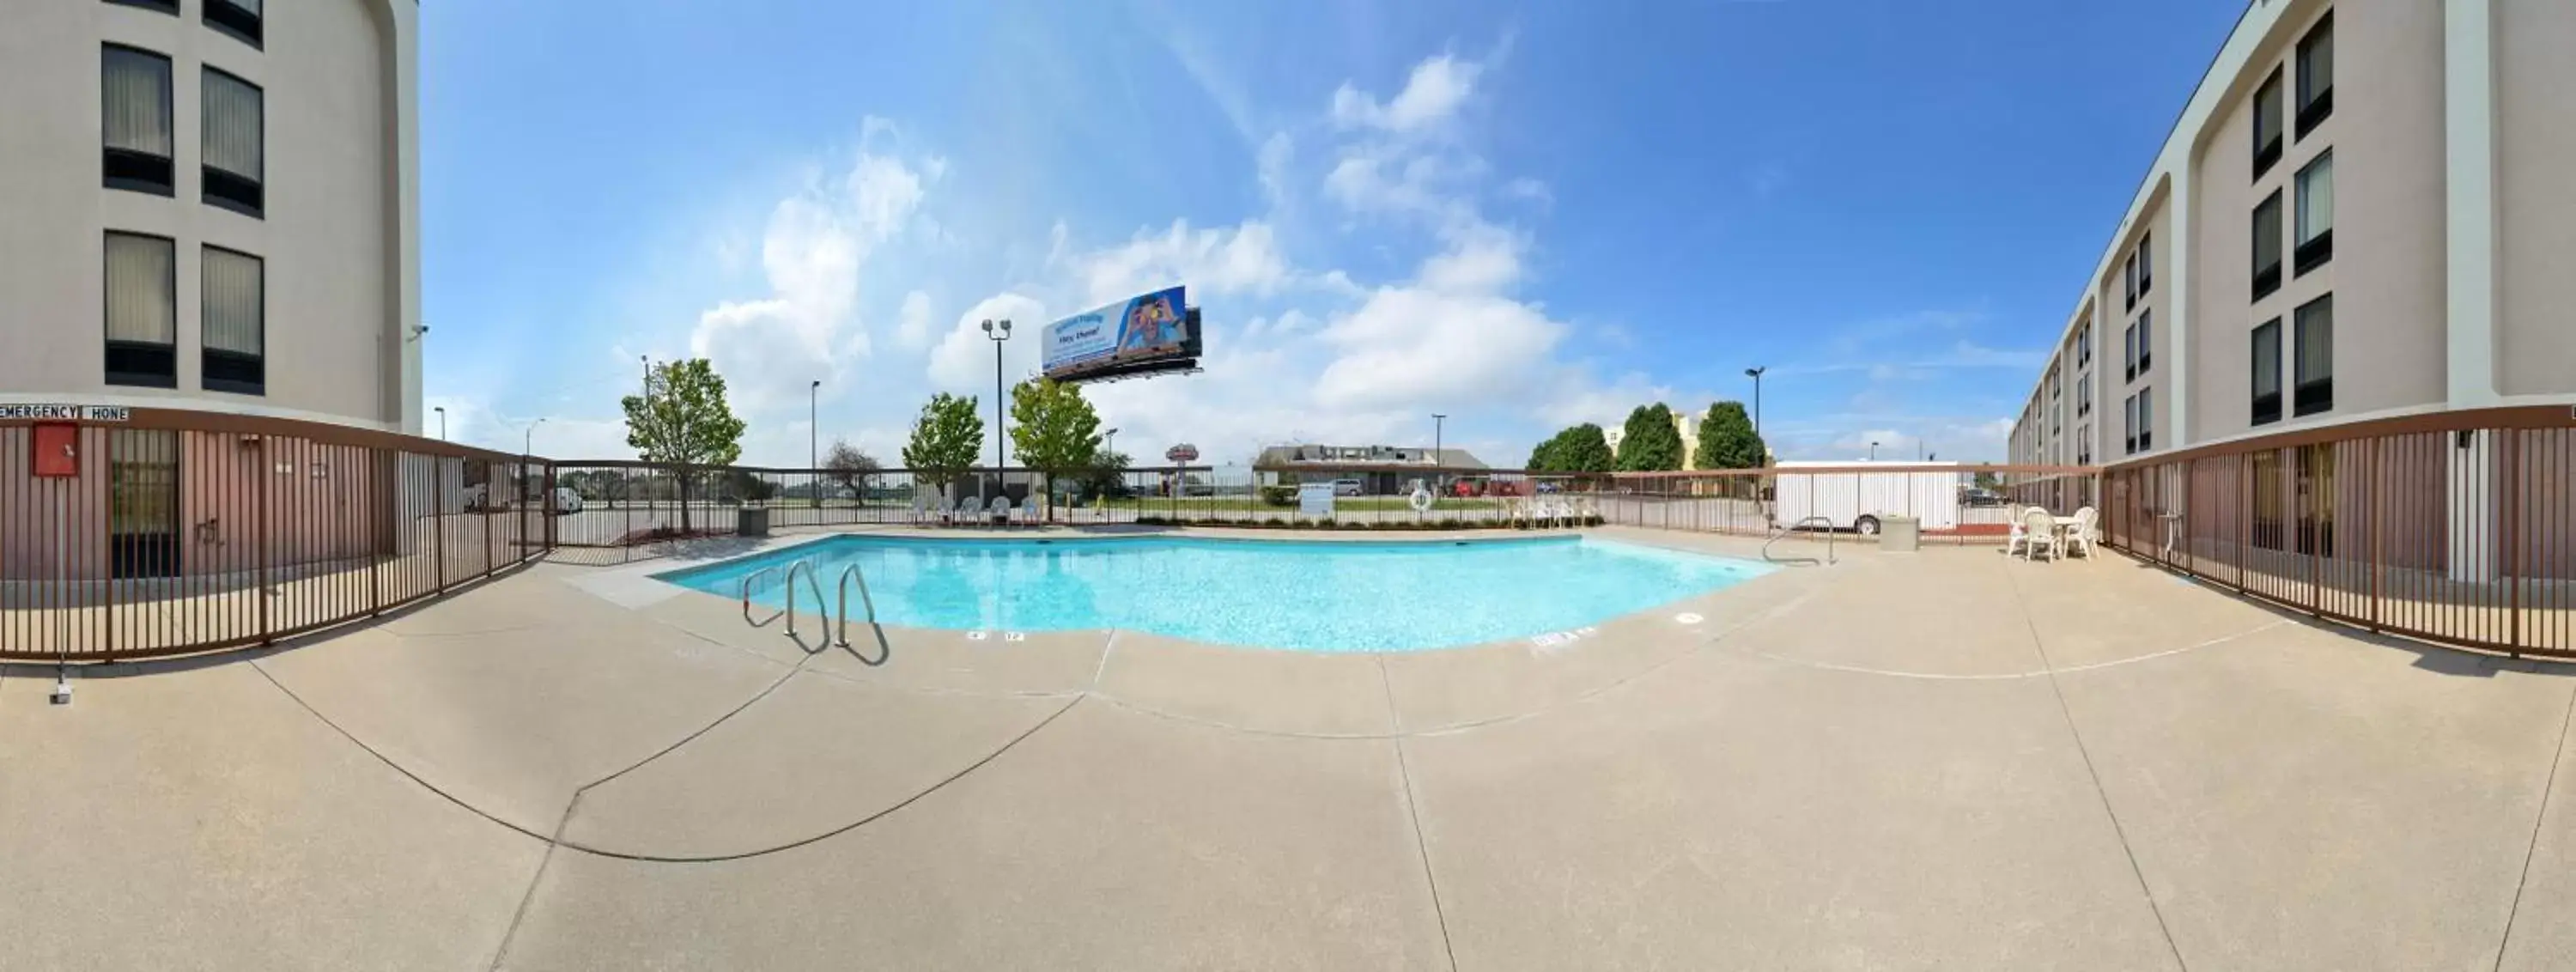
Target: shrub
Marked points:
1279	495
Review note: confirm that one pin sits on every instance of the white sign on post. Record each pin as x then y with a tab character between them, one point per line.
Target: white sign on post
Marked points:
1315	500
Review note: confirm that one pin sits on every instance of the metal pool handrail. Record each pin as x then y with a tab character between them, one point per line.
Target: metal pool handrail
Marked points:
811	583
841	590
746	592
1785	531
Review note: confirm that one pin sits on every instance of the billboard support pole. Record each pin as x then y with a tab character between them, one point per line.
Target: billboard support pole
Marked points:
998	335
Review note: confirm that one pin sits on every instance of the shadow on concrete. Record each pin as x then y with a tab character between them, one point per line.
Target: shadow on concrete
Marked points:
2435	658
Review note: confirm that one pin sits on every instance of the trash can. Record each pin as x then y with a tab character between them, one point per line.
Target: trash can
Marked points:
752	521
1900	534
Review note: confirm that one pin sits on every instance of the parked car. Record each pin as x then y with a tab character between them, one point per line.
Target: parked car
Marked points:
1980	497
566	500
1346	487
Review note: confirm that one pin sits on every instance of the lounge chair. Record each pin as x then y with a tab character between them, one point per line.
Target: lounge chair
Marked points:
2039	529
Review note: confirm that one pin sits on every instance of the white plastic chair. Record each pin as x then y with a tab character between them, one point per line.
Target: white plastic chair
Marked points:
920	508
964	510
2083	534
1029	509
2039	530
1000	509
2014	540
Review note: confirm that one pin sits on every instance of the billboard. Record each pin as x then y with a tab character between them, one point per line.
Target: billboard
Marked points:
1152	332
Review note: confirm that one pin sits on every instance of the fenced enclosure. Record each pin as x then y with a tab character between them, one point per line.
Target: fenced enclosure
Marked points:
2457	527
147	532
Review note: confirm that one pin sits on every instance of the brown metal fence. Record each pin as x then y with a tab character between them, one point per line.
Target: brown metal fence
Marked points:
1951	503
166	532
2458	527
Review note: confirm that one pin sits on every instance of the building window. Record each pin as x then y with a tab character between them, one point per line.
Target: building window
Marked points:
142	311
2267	124
170	7
2146	419
2084	445
2083	397
2129	424
2084	344
2267	373
235	286
2313	390
239	18
134	103
2147	338
2129	352
2267	246
2316	74
2129	283
2146	264
2316	215
234	123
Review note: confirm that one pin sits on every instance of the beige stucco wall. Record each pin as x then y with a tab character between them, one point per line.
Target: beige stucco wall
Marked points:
2112	385
2387	271
340	228
2536	225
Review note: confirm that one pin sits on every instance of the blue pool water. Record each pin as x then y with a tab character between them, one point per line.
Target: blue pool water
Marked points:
1309	596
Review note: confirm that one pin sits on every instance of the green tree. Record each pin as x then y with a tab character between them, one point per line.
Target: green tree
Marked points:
945	440
1986	479
1053	429
847	465
1580	449
1652	443
1726	439
1106	475
682	419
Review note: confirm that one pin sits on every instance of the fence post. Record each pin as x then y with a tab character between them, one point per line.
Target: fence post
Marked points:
2513	533
267	471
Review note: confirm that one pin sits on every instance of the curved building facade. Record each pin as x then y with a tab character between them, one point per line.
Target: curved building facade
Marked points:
212	205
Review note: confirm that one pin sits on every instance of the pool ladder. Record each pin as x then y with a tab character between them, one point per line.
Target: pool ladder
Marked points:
1778	532
840	631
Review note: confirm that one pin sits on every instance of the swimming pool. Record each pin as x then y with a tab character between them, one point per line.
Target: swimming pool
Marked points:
1301	595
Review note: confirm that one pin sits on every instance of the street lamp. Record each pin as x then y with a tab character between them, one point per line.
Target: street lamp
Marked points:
1756	375
999	335
1437	420
1873	450
527	443
1109	441
811	394
442	421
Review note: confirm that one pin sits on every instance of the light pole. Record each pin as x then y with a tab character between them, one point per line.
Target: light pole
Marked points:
811	394
527	443
1110	441
999	335
1756	375
1873	450
1437	421
442	421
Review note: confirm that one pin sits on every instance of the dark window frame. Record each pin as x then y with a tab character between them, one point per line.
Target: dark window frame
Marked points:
2129	424
223	188
227	17
2267	153
145	364
2265	406
238	372
2146	264
2129	352
2318	250
2315	105
170	7
2146	419
2267	278
2315	395
2129	283
2146	340
130	170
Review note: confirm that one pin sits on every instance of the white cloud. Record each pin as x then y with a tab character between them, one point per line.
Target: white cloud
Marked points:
1241	260
1431	95
912	327
811	254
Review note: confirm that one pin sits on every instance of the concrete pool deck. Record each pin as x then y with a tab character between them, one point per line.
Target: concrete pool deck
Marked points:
1944	759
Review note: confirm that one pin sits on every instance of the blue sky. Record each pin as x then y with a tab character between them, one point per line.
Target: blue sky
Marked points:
1520	216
